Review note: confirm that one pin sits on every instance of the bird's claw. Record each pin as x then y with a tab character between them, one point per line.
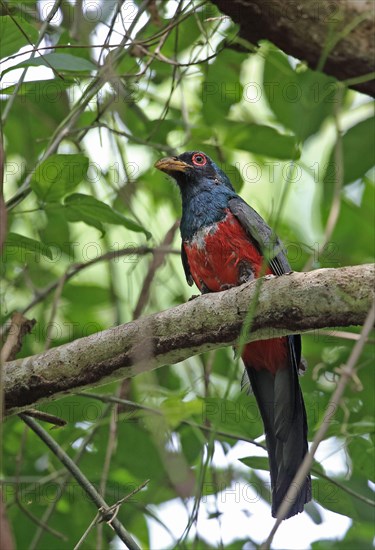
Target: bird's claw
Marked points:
245	271
204	290
226	287
302	367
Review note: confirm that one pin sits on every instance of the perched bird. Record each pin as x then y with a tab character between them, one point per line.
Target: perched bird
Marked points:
224	242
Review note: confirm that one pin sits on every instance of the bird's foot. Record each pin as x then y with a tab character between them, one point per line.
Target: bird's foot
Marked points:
204	290
302	367
226	287
245	272
269	276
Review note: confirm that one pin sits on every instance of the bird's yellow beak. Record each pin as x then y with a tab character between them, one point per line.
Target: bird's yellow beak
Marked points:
171	164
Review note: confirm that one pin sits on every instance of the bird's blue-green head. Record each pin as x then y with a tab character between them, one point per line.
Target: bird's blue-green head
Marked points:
205	188
193	169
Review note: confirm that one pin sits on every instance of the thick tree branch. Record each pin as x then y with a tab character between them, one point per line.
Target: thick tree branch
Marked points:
292	303
336	36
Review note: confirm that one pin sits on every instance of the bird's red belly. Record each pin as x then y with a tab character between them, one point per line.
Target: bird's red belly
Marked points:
214	257
215	254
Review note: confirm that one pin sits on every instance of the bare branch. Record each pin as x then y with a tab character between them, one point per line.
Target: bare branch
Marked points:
107	256
86	485
289	304
64	480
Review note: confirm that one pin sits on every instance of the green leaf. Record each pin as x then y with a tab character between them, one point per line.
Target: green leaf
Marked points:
175	410
332	497
159	129
11	36
133	435
58	175
82	295
33	119
222	87
358	152
59	62
313	511
49	90
56	231
262	140
358	220
256	462
20	245
360	536
240	416
300	98
362	455
261	463
182	37
192	442
87	209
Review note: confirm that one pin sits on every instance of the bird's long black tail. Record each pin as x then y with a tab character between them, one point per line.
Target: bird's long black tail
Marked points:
283	413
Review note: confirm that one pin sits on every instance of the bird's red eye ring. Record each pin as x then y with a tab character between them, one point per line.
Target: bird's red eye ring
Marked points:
199	159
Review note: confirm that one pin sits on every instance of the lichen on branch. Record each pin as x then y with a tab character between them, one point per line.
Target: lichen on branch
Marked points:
293	303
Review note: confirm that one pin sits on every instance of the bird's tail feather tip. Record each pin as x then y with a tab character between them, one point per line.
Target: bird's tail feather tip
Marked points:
297	507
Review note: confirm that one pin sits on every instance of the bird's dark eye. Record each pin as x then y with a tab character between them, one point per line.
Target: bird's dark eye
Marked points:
199	159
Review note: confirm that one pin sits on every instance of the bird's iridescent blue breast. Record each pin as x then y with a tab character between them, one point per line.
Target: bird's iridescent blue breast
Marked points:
202	206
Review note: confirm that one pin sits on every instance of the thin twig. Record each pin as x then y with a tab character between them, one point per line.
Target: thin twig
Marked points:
112	399
147	41
39	522
117	504
339	35
107	256
46	417
344	488
347	372
337	334
42	32
338	170
155	264
86	485
114	508
110	30
17	499
87	531
111	447
65	479
136	139
55	303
